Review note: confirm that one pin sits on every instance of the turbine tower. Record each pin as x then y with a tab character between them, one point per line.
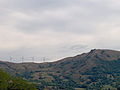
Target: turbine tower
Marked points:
11	59
44	59
33	59
22	58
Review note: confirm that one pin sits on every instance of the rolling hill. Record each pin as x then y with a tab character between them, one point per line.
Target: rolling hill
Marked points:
95	70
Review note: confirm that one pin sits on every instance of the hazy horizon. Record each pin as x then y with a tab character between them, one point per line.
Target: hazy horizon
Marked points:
55	29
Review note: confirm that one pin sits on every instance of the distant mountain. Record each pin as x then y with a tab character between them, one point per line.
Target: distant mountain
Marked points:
95	70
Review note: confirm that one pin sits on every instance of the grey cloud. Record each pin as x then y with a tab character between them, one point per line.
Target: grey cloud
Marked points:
93	23
33	4
92	13
73	48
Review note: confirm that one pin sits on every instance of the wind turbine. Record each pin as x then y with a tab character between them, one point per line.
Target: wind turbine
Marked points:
44	59
22	58
11	59
33	59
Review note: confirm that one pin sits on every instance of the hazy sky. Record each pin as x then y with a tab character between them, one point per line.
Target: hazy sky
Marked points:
57	28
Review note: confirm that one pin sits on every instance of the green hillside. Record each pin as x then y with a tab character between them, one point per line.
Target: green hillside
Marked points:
8	82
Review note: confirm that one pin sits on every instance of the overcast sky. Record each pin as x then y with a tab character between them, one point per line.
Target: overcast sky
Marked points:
57	28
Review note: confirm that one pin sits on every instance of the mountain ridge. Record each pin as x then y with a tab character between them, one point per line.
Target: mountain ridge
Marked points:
83	70
94	54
